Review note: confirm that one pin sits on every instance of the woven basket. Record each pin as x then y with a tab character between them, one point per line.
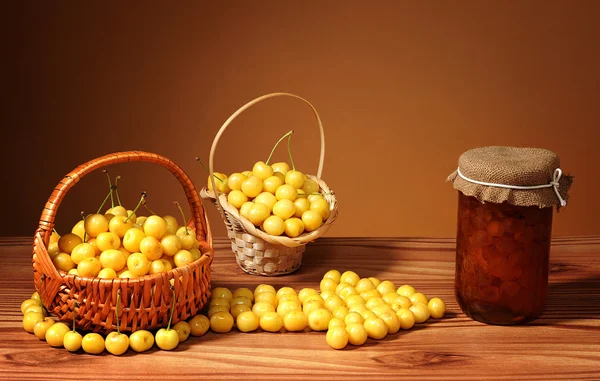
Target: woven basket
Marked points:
257	252
145	301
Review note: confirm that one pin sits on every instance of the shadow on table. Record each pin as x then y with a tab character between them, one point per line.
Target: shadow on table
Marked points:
368	258
572	300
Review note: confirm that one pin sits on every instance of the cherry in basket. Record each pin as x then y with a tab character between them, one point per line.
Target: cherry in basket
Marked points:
117	243
276	198
61	283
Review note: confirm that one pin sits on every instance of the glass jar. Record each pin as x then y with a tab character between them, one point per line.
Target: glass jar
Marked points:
506	197
502	253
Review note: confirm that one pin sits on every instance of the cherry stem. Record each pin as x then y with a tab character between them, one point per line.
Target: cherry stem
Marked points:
42	303
315	194
207	171
290	152
75	305
147	208
112	187
117	311
54	230
112	200
117	190
289	133
182	216
138	205
172	308
83	219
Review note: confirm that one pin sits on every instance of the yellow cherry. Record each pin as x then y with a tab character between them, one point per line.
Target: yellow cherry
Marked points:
170	243
119	226
245	208
89	267
160	266
132	240
237	198
172	224
262	170
82	251
107	273
235	180
321	206
95	224
313	197
286	191
53	249
54	237
186	235
302	205
79	229
281	167
67	242
252	186
295	179
312	220
220	182
310	186
284	208
182	258
258	213
113	259
271	184
107	240
152	248
119	211
138	264
30	319
273	225
155	226
63	261
266	198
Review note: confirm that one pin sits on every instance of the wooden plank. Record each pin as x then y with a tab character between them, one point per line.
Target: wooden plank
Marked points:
563	344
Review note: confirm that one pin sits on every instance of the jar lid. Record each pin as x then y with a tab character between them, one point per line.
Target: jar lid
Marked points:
521	176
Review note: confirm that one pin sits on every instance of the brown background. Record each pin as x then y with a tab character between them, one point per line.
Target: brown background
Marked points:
403	88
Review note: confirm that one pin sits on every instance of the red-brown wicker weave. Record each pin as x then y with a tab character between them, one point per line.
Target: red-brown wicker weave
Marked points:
145	301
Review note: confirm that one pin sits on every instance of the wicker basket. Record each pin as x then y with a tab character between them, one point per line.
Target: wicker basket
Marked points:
145	301
257	252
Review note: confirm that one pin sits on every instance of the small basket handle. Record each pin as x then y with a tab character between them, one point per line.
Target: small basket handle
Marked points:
242	109
47	219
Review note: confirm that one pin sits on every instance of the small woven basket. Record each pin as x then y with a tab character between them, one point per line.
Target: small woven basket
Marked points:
257	252
145	301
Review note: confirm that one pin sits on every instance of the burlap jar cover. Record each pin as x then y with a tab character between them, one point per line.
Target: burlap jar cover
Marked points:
521	176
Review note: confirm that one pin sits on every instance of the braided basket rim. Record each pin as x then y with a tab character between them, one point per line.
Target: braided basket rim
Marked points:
242	224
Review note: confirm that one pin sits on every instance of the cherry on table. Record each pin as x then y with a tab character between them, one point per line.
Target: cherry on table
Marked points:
141	340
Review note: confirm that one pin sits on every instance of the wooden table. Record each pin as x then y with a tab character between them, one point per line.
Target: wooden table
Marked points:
563	344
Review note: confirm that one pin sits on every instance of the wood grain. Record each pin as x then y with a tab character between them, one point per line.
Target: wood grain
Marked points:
563	344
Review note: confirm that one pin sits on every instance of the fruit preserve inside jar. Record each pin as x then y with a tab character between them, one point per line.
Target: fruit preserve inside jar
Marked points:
502	260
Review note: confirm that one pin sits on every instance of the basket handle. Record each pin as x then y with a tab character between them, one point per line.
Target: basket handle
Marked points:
242	109
47	219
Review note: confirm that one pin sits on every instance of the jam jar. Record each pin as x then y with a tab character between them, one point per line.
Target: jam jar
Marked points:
506	197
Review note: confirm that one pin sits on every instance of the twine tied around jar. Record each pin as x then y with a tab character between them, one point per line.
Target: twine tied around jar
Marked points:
520	176
554	183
